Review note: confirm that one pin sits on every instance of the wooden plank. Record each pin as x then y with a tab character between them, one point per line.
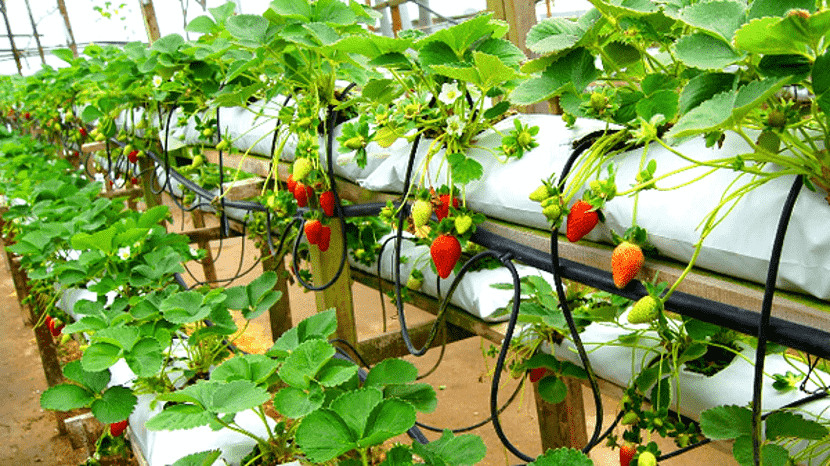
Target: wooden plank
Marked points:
696	283
84	431
249	164
391	344
130	193
148	11
95	146
243	189
204	234
324	266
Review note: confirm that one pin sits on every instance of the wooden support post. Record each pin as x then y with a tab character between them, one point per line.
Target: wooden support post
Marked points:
21	288
208	267
562	424
72	45
339	294
150	22
148	182
280	312
15	52
34	32
397	24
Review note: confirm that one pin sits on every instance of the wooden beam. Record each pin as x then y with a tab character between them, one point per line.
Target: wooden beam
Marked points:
324	266
391	344
130	193
34	32
96	146
72	45
148	11
205	234
208	267
15	52
562	424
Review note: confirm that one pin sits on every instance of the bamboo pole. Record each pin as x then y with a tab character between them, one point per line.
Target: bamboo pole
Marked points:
11	37
71	37
34	32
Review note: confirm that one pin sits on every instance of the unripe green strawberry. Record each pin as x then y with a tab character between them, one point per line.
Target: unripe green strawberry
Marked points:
777	119
223	144
304	122
598	102
207	132
415	280
552	212
524	139
302	167
645	310
540	194
647	458
198	161
100	137
463	224
630	418
421	211
355	143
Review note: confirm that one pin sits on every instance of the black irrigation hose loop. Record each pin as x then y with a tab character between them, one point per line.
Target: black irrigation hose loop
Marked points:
505	347
766	311
167	167
563	304
489	419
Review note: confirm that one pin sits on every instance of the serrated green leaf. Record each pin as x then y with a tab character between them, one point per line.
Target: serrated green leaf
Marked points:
372	46
115	404
437	53
100	356
320	325
354	407
237	395
301	366
571	72
460	37
720	17
726	422
336	372
152	217
421	396
252	367
624	9
761	8
771	454
702	88
94	381
179	417
552	389
184	308
237	298
706	52
464	169
123	337
295	403
508	53
323	435
553	35
145	358
391	371
66	397
562	457
467	449
389	418
168	44
784	424
201	24
251	28
660	103
203	458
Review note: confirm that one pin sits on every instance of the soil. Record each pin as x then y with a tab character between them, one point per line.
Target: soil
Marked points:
462	381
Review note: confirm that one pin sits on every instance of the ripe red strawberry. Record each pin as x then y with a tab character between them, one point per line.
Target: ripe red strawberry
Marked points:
134	180
444	208
290	183
325	238
327	203
581	220
133	156
445	252
626	261
627	452
537	373
118	428
27	116
312	231
82	130
302	193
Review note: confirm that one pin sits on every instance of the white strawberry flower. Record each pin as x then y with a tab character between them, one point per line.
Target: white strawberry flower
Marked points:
455	127
194	252
124	253
449	93
157	80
